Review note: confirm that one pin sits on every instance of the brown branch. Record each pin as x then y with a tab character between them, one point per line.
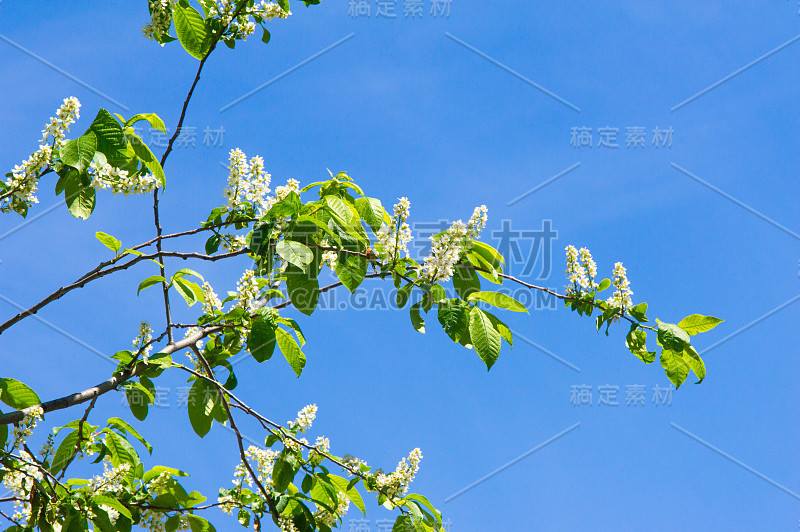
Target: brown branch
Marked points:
97	274
239	440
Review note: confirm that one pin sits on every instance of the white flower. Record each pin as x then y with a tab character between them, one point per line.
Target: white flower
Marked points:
105	176
247	181
292	185
144	337
25	428
322	515
305	418
112	479
247	288
210	300
445	253
160	19
224	9
59	125
477	222
322	444
396	484
20	482
394	238
286	524
622	296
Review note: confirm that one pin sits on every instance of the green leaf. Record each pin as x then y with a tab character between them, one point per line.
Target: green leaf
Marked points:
3	434
154	119
491	255
672	337
636	340
403	294
485	339
124	426
604	284
498	299
149	159
638	312
694	361
697	323
261	340
351	271
484	268
114	503
191	30
291	351
265	37
416	319
109	241
343	485
80	199
191	292
453	314
150	281
111	140
64	451
157	470
338	208
284	5
199	524
371	211
295	253
78	153
674	366
201	400
303	289
121	451
466	281
288	206
283	471
502	328
16	394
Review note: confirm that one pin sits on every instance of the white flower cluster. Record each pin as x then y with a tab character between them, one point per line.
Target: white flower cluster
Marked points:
107	177
247	288
264	460
155	521
58	126
396	484
247	181
292	185
394	238
198	367
160	19
305	418
286	524
210	300
322	444
24	428
446	250
622	296
224	9
111	480
24	180
144	336
20	482
581	270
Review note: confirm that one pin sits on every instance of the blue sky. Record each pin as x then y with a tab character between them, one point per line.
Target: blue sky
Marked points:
430	108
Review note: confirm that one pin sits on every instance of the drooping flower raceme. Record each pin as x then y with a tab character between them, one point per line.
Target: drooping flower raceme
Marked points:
396	484
305	418
447	247
19	482
24	180
210	300
590	267
107	177
394	238
160	19
25	427
622	295
142	339
247	181
248	291
243	26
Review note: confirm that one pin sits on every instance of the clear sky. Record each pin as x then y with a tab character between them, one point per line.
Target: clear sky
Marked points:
480	105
